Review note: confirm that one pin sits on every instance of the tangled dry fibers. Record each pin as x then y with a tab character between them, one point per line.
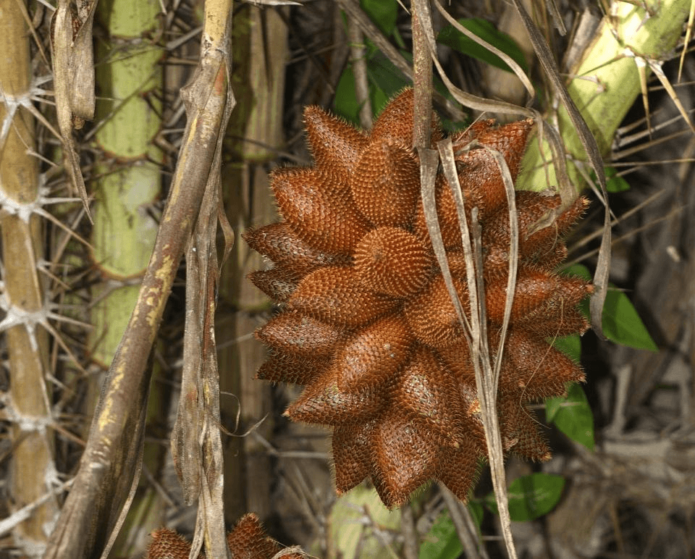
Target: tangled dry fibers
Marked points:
366	323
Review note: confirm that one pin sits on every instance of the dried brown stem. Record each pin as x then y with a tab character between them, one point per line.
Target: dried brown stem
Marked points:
106	475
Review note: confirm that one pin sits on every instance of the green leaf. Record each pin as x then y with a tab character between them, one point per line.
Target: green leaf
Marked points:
452	37
345	102
578	270
441	542
385	77
531	496
385	81
569	345
621	322
614	183
572	415
383	13
477	512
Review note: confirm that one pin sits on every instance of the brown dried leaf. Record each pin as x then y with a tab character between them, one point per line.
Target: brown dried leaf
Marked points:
73	78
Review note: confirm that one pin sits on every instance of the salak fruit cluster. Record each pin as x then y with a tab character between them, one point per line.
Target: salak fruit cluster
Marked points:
246	541
366	323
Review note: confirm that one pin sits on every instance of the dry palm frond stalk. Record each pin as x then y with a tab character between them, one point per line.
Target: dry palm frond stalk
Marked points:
366	321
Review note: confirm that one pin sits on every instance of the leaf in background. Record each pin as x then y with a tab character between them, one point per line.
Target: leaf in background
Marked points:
531	496
477	512
573	416
383	13
621	322
385	76
385	81
441	542
451	37
615	183
349	537
570	346
345	102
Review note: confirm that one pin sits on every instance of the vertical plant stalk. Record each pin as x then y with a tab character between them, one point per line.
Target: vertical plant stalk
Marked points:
129	179
358	53
486	370
128	117
32	469
109	465
254	134
422	82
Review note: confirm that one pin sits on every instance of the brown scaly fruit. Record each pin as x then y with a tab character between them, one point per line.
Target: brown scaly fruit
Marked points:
246	541
366	322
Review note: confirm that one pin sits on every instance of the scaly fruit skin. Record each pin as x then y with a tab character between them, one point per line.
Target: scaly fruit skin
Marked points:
246	541
366	322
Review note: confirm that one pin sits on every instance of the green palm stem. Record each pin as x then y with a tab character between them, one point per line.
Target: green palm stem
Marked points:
129	78
605	82
32	467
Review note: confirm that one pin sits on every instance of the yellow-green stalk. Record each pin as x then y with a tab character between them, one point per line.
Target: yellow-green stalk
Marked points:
128	116
605	82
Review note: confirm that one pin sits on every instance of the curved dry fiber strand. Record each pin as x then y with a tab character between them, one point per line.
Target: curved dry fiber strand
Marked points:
537	291
167	544
542	244
281	367
392	261
281	245
373	354
537	369
318	212
481	182
459	469
323	403
565	323
510	140
520	429
569	293
532	207
426	395
548	260
336	296
404	457
278	283
432	317
448	217
352	455
462	138
386	183
299	334
334	143
396	121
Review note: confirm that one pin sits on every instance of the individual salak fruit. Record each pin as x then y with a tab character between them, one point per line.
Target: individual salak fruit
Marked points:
246	541
366	322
